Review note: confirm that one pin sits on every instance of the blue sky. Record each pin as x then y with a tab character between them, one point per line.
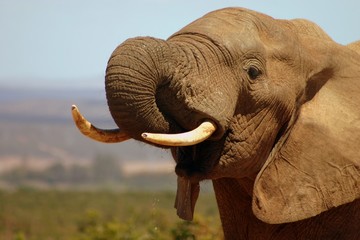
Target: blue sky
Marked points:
66	43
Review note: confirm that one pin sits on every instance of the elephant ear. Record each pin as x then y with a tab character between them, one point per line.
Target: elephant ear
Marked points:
316	165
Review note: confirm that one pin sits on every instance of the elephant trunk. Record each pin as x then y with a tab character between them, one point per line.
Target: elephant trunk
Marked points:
135	70
144	96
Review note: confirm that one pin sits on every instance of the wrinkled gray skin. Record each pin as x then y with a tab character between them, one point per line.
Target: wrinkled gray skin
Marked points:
285	159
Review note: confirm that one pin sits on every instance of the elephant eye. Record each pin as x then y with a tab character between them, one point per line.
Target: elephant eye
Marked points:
253	72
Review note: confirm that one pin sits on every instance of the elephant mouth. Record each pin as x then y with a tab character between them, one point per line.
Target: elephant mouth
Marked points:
191	162
195	152
196	162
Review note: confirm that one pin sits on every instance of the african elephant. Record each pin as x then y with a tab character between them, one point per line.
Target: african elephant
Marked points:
268	109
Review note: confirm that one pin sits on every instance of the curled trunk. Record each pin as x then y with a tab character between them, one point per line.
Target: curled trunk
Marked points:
147	87
135	70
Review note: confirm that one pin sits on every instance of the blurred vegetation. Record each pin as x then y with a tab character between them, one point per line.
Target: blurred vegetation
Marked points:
28	214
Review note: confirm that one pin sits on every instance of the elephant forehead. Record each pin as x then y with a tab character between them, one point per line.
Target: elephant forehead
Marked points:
232	27
242	31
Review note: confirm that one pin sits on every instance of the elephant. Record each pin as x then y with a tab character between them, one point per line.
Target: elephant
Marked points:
267	109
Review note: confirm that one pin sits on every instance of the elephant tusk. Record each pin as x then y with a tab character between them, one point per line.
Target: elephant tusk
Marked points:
101	135
198	135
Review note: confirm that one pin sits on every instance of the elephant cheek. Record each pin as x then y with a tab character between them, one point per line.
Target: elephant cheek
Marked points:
245	151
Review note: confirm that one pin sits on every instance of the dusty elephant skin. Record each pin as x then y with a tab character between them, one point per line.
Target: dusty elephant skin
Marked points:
285	102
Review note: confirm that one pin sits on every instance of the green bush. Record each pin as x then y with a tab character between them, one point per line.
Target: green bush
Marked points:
95	227
28	214
183	231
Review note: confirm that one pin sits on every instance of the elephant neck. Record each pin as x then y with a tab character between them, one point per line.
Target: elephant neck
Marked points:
233	197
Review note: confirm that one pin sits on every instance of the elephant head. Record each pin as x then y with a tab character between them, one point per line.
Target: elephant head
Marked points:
279	101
